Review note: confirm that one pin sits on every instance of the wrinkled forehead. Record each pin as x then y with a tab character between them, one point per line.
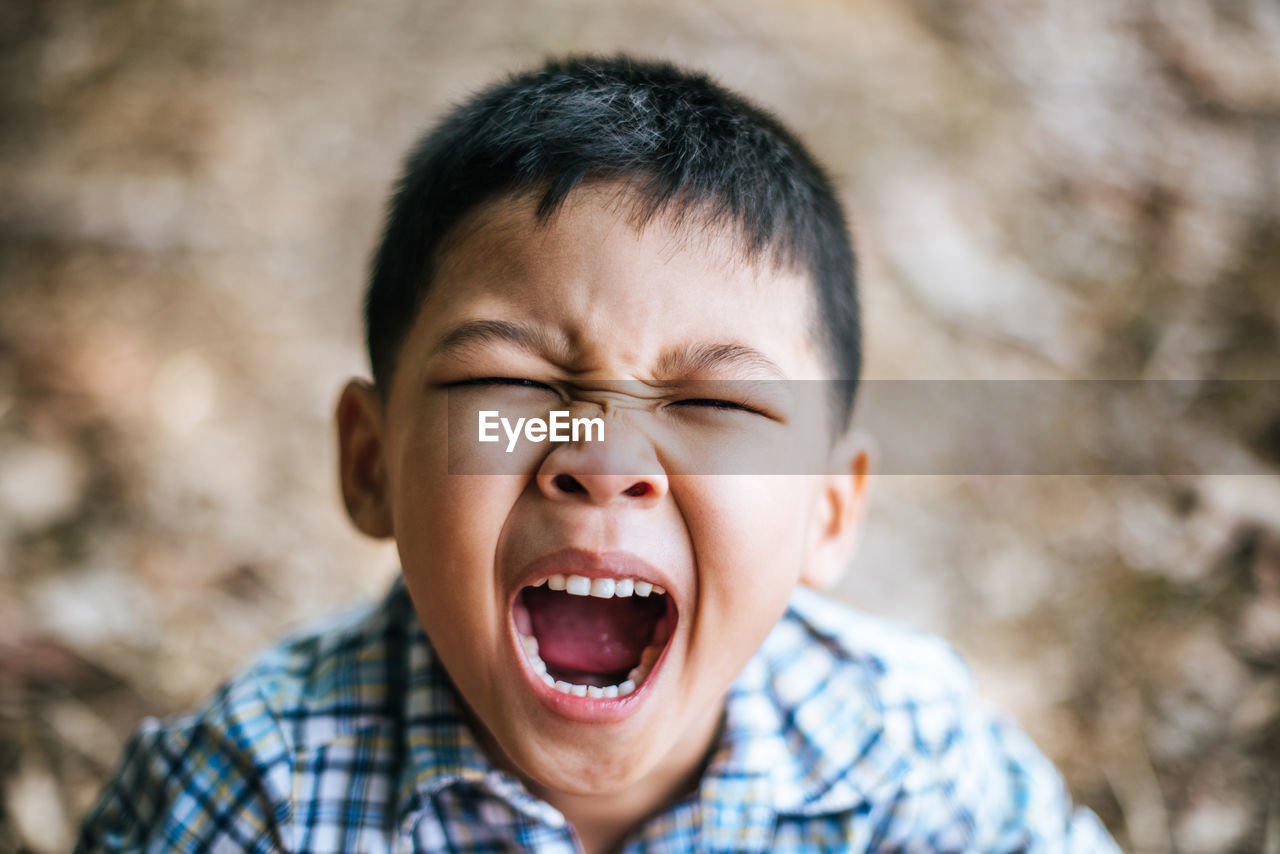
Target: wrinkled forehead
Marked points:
703	227
612	277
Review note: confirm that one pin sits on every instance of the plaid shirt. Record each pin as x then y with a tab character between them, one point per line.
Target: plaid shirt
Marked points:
844	732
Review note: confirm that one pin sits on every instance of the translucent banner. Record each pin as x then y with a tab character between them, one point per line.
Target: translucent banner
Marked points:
925	427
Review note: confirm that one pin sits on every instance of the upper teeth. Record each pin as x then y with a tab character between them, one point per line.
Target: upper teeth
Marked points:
601	588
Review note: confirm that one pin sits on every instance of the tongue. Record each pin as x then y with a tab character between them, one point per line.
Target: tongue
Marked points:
588	634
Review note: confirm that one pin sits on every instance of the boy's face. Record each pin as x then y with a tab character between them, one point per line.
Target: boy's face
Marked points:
576	305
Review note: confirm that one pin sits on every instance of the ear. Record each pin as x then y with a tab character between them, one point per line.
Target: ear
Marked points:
361	459
838	515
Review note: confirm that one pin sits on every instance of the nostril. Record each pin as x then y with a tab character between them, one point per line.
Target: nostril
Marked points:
637	490
568	484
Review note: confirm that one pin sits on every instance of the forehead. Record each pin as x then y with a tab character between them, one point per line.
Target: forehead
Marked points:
606	287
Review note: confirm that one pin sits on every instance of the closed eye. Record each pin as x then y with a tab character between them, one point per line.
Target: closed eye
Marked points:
508	381
715	403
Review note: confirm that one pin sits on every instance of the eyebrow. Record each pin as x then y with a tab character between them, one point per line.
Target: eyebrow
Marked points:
710	357
692	360
478	333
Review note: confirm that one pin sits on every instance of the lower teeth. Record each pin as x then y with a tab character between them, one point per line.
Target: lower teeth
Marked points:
635	677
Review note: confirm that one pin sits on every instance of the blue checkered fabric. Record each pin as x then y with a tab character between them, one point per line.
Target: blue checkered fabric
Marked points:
843	733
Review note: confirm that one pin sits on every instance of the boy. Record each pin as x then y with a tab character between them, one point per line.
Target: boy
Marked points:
598	643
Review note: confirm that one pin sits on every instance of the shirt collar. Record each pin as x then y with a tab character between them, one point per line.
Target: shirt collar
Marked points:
802	716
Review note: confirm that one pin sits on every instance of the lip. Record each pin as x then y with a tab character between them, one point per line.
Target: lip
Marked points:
575	561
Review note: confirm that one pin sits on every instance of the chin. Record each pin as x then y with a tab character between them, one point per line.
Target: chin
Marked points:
586	768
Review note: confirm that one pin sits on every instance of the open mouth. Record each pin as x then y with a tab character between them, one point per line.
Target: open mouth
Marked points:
593	637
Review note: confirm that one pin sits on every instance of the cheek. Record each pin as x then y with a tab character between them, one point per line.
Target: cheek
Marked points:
749	541
435	511
446	528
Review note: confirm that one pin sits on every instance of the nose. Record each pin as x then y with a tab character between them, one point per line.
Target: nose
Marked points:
622	469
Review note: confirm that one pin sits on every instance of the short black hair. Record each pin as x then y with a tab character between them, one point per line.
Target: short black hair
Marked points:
680	143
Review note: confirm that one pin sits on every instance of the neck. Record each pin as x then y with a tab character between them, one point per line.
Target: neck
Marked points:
603	821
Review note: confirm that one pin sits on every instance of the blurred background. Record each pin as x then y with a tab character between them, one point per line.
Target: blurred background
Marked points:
1071	189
